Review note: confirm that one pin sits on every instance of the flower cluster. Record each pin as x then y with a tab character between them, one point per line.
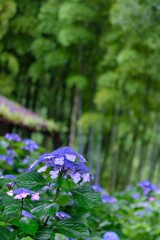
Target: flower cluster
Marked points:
12	137
64	161
105	197
30	145
147	187
21	193
110	236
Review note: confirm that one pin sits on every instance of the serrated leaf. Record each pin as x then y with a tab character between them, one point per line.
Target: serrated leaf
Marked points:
65	184
45	210
4	181
5	234
44	234
86	197
71	229
31	180
12	210
8	200
28	225
63	200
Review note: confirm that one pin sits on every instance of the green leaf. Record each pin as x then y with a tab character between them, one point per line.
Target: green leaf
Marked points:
45	210
77	80
5	234
28	225
45	234
12	210
63	200
65	184
26	238
32	180
8	200
71	229
4	181
86	197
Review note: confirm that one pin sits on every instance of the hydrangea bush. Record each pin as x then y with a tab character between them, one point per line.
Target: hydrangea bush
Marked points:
32	203
52	196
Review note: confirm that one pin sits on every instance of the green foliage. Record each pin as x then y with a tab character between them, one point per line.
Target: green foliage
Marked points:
6	234
71	229
85	197
44	234
109	51
77	80
31	180
45	210
28	225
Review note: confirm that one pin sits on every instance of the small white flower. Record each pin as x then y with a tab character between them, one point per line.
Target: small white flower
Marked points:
42	169
71	157
10	193
54	174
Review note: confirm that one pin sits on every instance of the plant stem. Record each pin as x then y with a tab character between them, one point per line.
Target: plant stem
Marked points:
56	194
55	198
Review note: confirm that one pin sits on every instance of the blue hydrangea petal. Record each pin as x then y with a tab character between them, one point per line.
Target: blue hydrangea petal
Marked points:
62	215
27	214
110	236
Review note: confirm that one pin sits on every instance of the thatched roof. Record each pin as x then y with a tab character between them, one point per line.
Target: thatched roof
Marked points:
13	113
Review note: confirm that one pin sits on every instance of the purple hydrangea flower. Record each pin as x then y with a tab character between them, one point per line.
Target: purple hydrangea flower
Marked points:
30	145
135	196
35	196
27	214
97	188
105	197
9	176
12	137
147	187
110	236
21	193
11	184
11	152
73	238
62	215
7	159
66	161
108	199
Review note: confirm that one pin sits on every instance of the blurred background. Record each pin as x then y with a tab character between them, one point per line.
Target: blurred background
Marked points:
85	73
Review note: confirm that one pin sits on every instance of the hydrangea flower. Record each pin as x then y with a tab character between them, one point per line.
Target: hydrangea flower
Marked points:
108	199
66	161
62	215
97	188
104	195
147	187
21	193
11	184
7	159
27	214
11	152
135	196
12	137
30	145
110	236
8	176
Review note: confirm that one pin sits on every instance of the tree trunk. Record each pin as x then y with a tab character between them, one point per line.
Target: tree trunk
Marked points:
73	122
98	156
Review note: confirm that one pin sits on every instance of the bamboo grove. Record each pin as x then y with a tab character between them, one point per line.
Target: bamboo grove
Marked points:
93	67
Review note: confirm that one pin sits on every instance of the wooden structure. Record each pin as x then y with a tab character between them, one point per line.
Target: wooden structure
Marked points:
14	115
